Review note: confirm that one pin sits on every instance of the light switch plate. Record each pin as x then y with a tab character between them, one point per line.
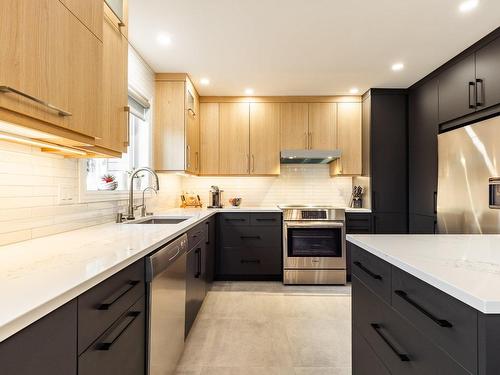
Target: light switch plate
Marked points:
67	194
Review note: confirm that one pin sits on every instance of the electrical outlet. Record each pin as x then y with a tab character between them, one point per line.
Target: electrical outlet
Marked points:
67	194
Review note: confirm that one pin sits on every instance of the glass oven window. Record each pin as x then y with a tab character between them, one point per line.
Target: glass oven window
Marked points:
314	242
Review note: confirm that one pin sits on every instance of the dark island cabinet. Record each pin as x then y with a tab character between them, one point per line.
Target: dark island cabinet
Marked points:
46	347
403	325
249	246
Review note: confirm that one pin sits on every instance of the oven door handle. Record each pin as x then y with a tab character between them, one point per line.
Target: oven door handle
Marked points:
314	224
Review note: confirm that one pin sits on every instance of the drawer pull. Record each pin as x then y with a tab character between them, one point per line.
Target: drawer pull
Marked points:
262	219
198	258
117	295
366	270
250	237
234	219
402	357
60	112
113	337
439	322
254	261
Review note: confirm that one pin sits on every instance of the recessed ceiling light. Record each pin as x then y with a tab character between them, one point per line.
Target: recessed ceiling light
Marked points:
354	90
163	39
397	67
468	5
205	81
249	91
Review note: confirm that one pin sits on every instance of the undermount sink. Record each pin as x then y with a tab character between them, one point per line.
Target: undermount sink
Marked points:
160	220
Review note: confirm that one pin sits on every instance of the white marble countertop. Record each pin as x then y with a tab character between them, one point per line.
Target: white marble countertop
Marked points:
40	275
466	267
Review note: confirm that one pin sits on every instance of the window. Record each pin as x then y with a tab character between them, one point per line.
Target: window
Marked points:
108	176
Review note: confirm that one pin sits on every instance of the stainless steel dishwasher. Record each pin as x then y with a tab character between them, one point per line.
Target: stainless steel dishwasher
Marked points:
166	277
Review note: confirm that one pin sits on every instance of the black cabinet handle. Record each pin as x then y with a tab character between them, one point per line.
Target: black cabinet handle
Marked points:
402	357
250	237
479	92
246	261
113	336
374	201
117	295
435	226
472	102
208	232
366	270
263	219
435	202
234	219
198	255
439	322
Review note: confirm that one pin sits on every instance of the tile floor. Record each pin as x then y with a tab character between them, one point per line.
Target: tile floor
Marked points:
247	328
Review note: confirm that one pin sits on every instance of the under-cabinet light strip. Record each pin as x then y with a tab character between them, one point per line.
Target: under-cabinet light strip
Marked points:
34	142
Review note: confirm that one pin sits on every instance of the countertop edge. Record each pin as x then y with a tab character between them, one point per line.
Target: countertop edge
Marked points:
485	307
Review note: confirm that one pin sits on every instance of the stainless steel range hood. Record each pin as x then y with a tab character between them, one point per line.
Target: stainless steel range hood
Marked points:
309	156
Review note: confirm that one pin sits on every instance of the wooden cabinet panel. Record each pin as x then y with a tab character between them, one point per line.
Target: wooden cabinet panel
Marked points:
488	80
294	126
169	126
456	90
349	140
322	126
89	12
234	138
192	130
209	138
114	89
264	138
46	347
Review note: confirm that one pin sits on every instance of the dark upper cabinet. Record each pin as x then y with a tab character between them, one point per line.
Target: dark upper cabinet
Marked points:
46	347
487	75
388	151
423	158
457	90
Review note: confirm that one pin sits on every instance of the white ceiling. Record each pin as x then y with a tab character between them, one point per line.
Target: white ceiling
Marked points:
305	47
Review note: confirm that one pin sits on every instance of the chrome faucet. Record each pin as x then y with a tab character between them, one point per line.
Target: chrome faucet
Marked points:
131	207
144	210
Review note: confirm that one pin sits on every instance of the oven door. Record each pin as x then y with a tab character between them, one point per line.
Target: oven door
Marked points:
314	245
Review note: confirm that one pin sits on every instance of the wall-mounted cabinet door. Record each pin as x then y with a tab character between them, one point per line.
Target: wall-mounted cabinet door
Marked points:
487	77
89	12
349	140
192	130
234	138
322	126
209	138
265	138
294	126
457	90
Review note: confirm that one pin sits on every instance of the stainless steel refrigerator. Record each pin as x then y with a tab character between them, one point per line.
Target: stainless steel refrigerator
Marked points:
468	183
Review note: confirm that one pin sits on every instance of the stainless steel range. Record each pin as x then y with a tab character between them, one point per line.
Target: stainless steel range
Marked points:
313	245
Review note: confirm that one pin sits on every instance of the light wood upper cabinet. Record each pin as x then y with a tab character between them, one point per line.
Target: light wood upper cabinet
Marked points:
39	41
322	126
294	126
89	12
234	138
264	138
209	138
192	129
349	140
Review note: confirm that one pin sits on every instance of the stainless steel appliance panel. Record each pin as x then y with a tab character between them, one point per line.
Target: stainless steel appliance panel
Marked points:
166	275
314	277
468	159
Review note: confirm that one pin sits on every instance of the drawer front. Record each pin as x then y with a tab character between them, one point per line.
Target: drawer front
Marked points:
252	237
196	235
237	218
401	347
373	271
99	307
121	349
447	322
243	261
364	359
265	219
358	223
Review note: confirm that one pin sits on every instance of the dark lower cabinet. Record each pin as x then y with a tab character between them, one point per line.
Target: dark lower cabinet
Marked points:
122	347
364	359
210	241
46	347
249	247
420	224
356	223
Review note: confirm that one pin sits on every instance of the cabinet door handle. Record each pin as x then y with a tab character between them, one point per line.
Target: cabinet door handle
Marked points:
479	92
117	295
440	322
208	232
310	140
234	219
435	202
198	255
402	357
248	163
374	201
250	237
197	160
264	219
253	163
6	89
188	152
192	112
127	110
472	102
253	261
113	336
367	271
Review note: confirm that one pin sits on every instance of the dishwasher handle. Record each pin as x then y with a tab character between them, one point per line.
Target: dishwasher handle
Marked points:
165	256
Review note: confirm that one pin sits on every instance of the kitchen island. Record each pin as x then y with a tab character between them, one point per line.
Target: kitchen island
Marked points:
426	304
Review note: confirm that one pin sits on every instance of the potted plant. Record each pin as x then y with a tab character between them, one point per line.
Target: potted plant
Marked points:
108	182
